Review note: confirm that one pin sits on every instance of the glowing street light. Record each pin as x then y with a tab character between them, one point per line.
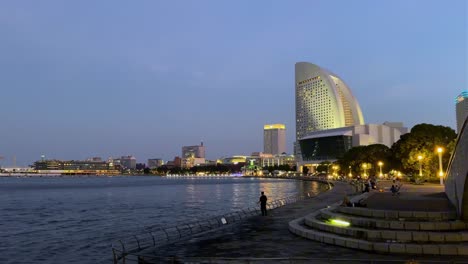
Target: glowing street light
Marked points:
420	165
364	166
334	167
350	174
441	172
380	165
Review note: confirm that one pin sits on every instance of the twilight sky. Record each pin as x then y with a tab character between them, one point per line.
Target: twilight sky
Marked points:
111	78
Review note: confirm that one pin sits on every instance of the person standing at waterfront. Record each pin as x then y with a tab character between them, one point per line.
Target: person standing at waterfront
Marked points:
263	200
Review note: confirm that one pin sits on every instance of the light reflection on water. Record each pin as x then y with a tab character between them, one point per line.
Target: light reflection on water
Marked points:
74	220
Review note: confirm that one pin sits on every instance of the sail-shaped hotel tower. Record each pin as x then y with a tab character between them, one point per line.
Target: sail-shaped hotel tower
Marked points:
329	120
323	102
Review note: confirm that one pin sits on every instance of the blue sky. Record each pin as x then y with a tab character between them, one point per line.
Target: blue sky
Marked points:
111	78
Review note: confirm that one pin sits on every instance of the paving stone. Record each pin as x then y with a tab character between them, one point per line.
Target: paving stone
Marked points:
462	250
434	215
365	246
374	235
453	237
403	236
351	244
413	249
436	237
464	235
391	214
457	225
381	247
430	249
420	215
405	214
397	225
340	242
448	250
397	248
420	236
427	226
378	213
442	226
328	240
366	212
412	226
388	235
382	224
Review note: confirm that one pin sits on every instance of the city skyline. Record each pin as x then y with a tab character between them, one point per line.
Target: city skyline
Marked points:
147	78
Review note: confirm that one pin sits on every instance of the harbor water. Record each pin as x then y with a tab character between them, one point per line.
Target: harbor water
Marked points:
75	219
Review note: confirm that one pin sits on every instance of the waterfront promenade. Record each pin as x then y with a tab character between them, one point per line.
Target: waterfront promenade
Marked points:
268	240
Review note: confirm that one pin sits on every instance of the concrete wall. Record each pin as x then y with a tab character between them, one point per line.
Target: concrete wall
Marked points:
456	186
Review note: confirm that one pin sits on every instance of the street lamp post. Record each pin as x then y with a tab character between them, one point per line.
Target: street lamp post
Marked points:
380	165
365	169
441	172
420	165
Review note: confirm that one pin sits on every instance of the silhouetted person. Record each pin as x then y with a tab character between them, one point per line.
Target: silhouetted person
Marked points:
263	200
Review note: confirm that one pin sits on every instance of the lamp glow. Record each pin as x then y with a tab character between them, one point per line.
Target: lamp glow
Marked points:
338	222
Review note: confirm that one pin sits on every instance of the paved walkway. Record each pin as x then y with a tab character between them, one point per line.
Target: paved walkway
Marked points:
269	237
411	198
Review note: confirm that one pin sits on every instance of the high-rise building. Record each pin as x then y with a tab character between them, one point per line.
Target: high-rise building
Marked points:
155	163
274	139
461	107
193	151
128	162
323	101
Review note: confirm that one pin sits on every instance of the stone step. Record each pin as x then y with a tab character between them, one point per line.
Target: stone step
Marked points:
297	227
384	235
401	224
395	215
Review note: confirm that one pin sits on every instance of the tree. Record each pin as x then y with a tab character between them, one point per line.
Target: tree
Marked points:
422	141
353	160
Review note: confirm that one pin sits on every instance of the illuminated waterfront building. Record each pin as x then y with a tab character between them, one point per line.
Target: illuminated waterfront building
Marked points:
329	120
323	101
128	162
461	108
75	167
274	139
193	151
155	163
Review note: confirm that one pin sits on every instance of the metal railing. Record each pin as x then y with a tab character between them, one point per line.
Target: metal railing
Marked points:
129	250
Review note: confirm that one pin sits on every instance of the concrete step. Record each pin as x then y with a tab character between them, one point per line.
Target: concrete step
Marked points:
298	227
395	215
400	224
314	221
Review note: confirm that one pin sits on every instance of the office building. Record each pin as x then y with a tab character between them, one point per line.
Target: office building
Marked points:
274	139
193	151
461	108
155	163
128	162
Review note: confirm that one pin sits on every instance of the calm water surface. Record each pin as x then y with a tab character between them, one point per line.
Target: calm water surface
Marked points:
75	219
